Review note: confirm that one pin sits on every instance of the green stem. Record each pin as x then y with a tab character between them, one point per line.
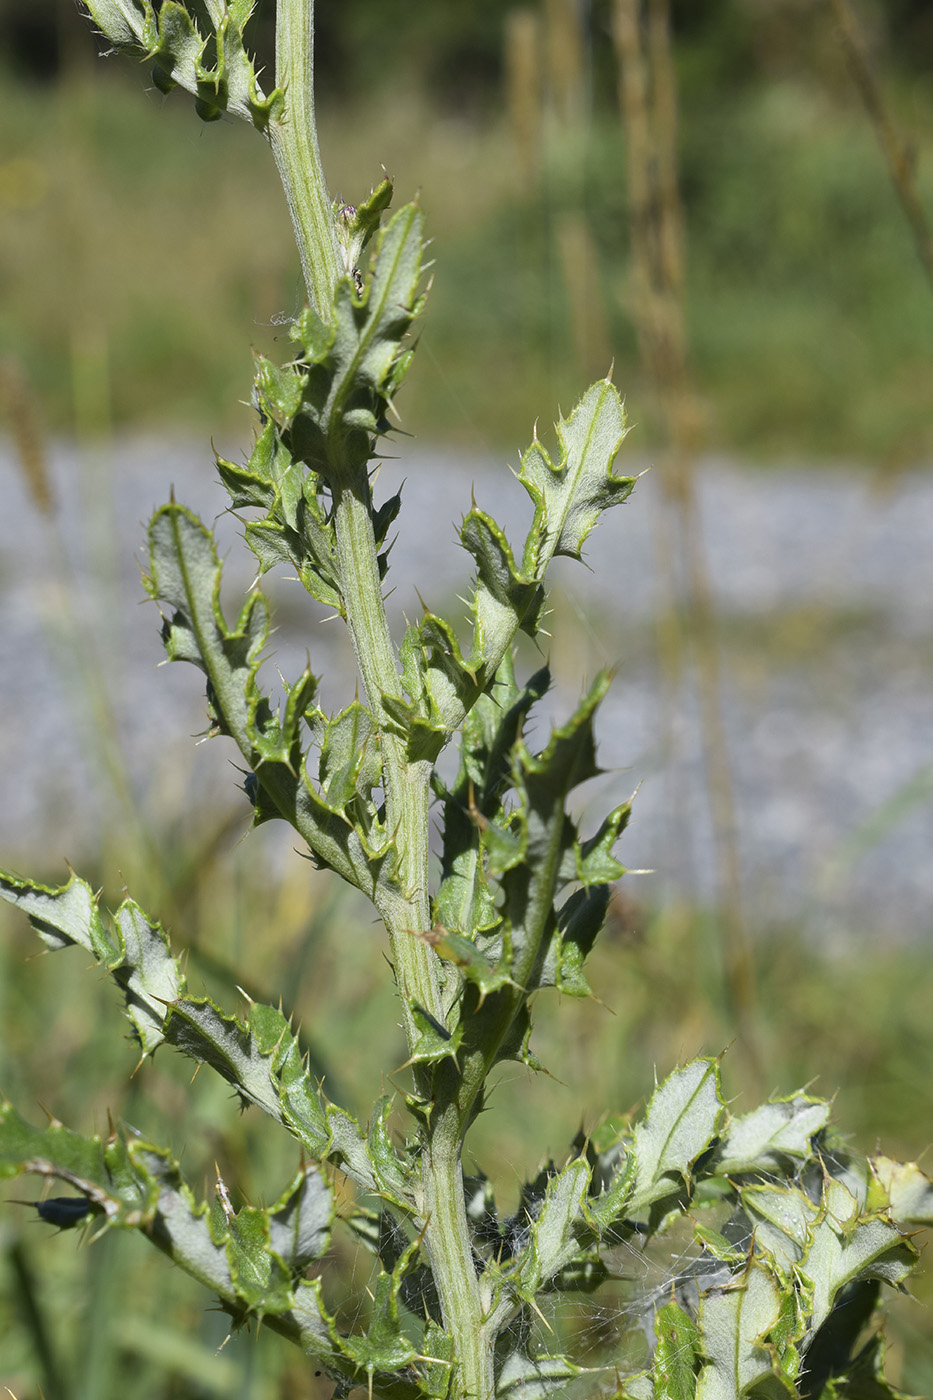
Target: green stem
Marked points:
450	1254
293	137
446	1232
407	784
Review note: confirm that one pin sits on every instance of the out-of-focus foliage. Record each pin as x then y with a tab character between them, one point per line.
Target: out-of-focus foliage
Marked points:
809	316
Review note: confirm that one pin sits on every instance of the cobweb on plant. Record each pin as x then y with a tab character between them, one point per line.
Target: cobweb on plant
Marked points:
608	1334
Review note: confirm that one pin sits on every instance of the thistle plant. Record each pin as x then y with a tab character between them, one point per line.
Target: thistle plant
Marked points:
792	1232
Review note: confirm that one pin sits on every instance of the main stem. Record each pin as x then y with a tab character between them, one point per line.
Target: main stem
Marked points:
446	1232
293	137
447	1238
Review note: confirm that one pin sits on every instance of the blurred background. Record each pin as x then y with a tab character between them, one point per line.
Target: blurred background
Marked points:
729	203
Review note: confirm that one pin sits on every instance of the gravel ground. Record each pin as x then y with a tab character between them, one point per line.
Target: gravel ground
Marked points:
823	587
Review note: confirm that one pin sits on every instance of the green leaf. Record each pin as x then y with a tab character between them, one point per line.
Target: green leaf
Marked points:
133	950
539	853
569	495
392	1170
651	1165
782	1217
463	954
465	903
297	529
679	1125
901	1188
300	1221
385	1346
102	1170
769	1138
186	574
579	923
252	1259
639	1387
677	1354
351	762
735	1324
532	853
554	1236
864	1378
438	1348
176	43
261	1057
524	1377
435	1042
342	828
352	367
504	597
356	224
847	1246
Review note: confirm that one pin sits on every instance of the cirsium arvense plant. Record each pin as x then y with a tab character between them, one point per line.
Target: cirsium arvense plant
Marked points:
793	1234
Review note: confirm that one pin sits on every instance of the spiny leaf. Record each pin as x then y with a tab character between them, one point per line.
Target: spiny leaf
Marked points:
103	1170
345	834
734	1328
186	574
356	224
847	1246
901	1188
649	1165
260	1058
385	1346
676	1354
351	759
539	852
864	1377
444	684
435	1374
321	414
299	1221
466	957
679	1124
352	366
435	1042
765	1140
176	43
392	1170
571	493
532	852
554	1236
465	904
297	528
524	1377
579	923
133	950
252	1258
782	1217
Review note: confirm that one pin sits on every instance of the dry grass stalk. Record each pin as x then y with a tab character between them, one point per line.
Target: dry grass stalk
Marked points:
648	100
580	265
565	63
523	91
18	406
898	155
